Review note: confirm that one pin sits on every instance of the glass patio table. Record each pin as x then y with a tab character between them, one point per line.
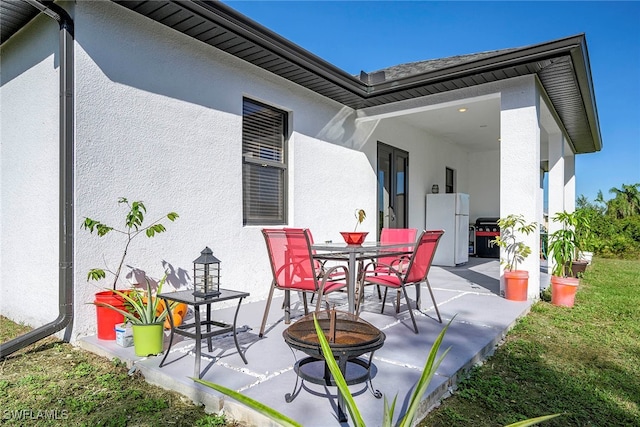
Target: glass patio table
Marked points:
202	329
357	253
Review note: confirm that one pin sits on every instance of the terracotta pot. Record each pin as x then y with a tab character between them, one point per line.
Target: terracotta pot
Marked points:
563	290
516	285
354	237
107	318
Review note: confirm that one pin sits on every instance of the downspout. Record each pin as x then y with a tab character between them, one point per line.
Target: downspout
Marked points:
65	272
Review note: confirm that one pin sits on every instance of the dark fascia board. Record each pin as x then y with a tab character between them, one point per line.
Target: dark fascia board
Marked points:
515	57
573	47
233	21
230	19
582	67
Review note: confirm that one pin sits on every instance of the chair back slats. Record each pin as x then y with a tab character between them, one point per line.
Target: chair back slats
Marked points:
317	264
291	259
396	235
423	256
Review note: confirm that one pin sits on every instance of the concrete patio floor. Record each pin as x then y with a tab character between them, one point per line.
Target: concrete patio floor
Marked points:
470	293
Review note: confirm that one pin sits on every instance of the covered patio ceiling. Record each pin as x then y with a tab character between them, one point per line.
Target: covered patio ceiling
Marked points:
562	67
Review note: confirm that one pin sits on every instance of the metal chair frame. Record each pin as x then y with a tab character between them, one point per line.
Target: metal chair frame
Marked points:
297	270
415	273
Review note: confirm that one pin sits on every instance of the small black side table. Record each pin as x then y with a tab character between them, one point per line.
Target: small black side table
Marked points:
198	334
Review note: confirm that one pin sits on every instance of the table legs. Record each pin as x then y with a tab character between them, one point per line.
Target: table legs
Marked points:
198	334
196	312
235	334
351	290
166	353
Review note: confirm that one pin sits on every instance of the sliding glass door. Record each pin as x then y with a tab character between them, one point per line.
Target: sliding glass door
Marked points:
393	173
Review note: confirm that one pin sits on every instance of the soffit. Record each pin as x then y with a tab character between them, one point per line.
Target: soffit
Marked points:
14	14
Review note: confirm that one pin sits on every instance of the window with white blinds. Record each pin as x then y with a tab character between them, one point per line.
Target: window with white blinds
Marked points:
264	164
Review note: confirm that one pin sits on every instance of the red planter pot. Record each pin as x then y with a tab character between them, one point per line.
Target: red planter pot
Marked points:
563	290
107	318
354	237
516	285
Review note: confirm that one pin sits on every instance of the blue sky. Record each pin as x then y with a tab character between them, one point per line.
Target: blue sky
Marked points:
363	35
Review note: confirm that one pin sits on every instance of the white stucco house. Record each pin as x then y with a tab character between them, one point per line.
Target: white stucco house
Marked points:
194	108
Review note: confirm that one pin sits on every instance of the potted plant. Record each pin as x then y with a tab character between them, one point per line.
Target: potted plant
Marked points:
563	249
582	227
356	237
134	219
516	281
147	314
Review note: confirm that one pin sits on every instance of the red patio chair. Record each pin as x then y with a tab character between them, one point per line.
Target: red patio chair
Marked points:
294	269
391	235
318	265
415	273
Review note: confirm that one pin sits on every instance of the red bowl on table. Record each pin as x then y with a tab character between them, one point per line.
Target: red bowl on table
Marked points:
354	237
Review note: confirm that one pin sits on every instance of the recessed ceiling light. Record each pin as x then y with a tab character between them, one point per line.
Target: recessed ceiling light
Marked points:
462	110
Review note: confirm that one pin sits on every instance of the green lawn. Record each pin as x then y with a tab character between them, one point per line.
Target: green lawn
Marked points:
583	362
52	383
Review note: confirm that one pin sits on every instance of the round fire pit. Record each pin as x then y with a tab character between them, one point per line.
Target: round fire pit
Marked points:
349	337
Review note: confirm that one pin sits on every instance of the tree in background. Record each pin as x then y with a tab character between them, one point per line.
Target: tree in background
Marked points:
627	200
615	223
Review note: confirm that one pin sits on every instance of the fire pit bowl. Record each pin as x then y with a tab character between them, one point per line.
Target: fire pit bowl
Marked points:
349	334
349	337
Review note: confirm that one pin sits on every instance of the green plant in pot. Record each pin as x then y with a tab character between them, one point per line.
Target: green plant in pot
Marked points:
563	249
356	237
146	313
516	281
582	227
133	227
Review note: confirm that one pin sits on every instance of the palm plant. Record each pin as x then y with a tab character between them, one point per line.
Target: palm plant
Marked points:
626	201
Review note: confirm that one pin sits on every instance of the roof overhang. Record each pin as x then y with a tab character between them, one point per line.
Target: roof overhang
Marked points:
562	66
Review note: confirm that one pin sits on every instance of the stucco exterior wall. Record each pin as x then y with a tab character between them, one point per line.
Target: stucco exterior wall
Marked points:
484	185
29	111
159	120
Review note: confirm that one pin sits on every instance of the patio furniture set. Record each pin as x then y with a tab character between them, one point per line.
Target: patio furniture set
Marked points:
397	261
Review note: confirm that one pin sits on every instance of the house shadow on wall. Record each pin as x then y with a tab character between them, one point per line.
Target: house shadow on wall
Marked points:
177	278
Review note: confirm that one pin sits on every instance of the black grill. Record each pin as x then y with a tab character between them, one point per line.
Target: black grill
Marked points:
486	230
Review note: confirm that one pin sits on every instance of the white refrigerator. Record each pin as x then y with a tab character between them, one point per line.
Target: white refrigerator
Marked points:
449	212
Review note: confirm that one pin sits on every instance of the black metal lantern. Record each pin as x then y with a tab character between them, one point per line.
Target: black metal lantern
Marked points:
206	274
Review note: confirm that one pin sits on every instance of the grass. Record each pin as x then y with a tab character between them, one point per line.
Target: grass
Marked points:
52	383
583	362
